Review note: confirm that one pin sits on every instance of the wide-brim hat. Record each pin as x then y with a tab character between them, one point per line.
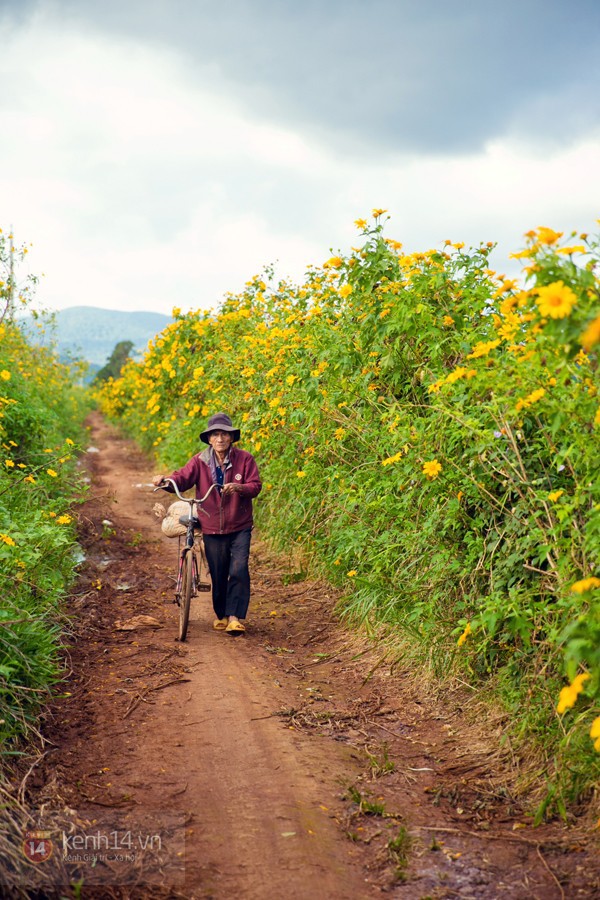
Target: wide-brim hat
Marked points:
220	422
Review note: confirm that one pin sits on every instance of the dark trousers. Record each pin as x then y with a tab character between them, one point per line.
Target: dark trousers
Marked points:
227	556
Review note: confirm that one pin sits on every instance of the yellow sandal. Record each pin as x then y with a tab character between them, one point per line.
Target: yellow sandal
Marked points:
220	624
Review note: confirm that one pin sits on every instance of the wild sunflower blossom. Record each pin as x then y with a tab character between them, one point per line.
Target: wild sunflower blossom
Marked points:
464	635
568	695
556	300
458	373
6	539
482	348
548	235
533	397
585	584
567	251
591	335
595	733
432	468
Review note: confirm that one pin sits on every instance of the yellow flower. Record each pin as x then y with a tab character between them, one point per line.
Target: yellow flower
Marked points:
69	442
392	459
378	212
457	373
567	251
432	468
482	348
591	335
464	635
522	254
548	235
301	474
360	223
352	573
585	584
64	520
345	290
533	397
339	433
597	417
334	263
553	496
7	540
52	473
595	733
568	695
176	311
9	464
448	320
556	300
5	375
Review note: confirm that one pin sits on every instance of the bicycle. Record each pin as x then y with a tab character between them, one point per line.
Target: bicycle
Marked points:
193	564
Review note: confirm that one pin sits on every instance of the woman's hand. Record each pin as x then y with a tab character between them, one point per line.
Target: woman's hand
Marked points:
158	480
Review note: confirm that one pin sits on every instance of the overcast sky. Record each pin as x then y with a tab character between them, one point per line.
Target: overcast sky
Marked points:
159	153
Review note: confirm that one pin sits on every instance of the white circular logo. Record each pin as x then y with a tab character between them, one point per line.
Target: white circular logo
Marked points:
238	477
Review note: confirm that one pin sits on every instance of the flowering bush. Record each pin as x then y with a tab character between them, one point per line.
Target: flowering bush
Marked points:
40	419
427	429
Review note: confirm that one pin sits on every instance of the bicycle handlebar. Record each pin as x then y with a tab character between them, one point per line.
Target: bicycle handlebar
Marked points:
200	500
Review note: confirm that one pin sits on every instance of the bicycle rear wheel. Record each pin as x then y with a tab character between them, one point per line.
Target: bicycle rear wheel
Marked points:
187	586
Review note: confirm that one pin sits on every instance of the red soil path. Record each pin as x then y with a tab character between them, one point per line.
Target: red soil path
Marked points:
293	762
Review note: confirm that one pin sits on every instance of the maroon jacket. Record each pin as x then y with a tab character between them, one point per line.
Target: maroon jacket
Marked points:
232	512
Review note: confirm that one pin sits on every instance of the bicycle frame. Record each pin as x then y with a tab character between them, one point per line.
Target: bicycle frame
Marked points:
184	592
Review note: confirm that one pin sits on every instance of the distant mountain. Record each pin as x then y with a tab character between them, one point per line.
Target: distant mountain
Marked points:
91	333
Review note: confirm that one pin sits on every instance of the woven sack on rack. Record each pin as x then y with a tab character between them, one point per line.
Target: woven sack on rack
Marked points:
171	526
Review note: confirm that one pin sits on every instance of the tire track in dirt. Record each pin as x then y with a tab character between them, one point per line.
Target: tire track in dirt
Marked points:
292	760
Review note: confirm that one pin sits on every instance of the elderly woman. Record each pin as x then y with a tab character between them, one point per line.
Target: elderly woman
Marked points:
228	527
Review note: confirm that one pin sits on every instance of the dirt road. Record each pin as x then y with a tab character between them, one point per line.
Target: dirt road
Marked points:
292	762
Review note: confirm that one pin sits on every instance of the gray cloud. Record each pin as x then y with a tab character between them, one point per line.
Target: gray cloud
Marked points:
424	76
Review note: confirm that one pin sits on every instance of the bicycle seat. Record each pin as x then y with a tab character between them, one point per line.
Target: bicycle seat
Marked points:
183	520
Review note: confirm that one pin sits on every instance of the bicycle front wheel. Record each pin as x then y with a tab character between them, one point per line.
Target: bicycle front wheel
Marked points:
187	585
203	583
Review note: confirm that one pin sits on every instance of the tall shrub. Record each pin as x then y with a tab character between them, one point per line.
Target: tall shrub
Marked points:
428	430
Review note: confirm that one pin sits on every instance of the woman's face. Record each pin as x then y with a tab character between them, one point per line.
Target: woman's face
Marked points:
220	441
